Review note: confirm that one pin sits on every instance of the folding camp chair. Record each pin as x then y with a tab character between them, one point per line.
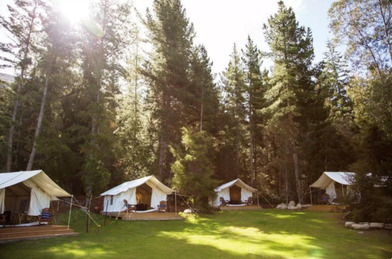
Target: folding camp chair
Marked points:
46	216
249	201
162	207
223	201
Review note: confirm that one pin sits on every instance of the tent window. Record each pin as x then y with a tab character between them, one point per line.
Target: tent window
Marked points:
111	200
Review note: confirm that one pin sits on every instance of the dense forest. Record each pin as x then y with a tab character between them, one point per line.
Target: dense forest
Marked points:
93	107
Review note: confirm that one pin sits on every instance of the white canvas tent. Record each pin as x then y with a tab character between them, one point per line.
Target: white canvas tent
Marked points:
328	179
157	191
31	190
245	193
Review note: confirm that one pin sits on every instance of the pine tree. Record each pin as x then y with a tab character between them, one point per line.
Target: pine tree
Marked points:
338	127
22	25
202	101
6	98
134	147
171	35
255	90
193	169
234	88
54	61
291	93
105	38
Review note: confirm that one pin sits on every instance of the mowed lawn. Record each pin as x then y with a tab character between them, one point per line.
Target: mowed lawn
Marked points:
230	234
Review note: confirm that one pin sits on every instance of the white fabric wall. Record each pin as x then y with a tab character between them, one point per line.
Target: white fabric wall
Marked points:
38	199
225	193
118	200
330	190
245	194
157	196
2	200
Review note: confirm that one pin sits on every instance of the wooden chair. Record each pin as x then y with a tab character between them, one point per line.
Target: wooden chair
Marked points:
162	207
46	216
223	201
129	207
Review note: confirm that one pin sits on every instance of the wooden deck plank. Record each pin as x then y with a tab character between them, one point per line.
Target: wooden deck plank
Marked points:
14	233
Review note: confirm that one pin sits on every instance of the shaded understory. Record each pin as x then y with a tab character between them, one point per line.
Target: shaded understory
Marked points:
230	234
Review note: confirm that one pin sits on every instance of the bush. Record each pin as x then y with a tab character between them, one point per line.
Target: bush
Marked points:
372	204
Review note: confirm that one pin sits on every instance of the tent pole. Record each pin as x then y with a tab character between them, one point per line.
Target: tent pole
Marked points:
258	202
70	210
106	212
310	192
175	201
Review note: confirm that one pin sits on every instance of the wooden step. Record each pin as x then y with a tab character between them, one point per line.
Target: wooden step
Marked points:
31	229
33	237
34	232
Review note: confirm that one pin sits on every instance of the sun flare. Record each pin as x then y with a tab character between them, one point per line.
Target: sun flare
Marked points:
74	10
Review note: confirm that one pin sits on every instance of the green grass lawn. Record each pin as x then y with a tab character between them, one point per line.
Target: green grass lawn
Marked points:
230	234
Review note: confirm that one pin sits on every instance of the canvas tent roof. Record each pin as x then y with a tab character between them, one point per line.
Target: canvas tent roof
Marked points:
40	188
135	183
237	182
38	177
344	178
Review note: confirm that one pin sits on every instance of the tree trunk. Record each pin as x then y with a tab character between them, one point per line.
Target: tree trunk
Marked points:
162	156
87	204
39	125
251	157
201	108
251	141
12	128
297	179
287	185
237	153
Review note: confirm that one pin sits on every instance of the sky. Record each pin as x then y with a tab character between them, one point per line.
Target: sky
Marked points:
221	23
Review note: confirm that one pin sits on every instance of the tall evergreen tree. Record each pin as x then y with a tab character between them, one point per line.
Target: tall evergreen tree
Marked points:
134	146
23	24
105	38
235	105
202	101
170	34
292	91
193	169
255	90
338	128
55	60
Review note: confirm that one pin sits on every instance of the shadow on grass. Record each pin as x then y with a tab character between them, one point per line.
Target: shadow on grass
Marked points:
234	234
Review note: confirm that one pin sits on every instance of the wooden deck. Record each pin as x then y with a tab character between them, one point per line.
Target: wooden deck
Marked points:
250	207
14	233
154	216
326	208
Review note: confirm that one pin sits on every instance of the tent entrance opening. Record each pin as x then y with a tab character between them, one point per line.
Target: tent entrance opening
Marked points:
143	197
235	194
17	201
